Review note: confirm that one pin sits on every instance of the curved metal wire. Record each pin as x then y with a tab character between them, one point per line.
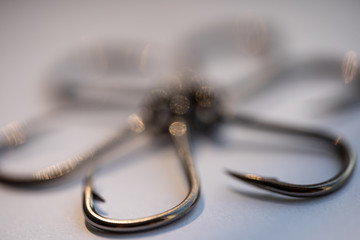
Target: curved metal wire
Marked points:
346	155
98	221
16	134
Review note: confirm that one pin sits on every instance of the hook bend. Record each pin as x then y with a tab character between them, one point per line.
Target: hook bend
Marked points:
130	225
345	153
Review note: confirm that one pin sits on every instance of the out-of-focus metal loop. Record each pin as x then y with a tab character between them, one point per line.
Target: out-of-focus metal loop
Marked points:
17	133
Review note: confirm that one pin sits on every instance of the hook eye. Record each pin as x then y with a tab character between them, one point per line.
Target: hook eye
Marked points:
180	138
344	152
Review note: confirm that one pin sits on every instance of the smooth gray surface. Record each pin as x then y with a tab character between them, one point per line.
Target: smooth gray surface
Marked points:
35	35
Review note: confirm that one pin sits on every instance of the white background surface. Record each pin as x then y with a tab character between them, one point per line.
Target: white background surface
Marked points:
35	35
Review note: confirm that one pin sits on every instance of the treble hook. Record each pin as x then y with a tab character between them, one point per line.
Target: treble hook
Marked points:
346	154
174	113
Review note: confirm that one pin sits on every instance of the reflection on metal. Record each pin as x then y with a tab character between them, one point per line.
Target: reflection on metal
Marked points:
205	96
349	66
14	133
179	104
336	142
136	123
252	177
177	128
61	169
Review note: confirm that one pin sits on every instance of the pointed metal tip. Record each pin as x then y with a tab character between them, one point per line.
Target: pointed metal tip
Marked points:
240	176
97	197
249	177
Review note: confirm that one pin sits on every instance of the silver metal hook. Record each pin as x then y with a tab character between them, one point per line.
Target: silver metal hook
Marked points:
346	155
179	133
